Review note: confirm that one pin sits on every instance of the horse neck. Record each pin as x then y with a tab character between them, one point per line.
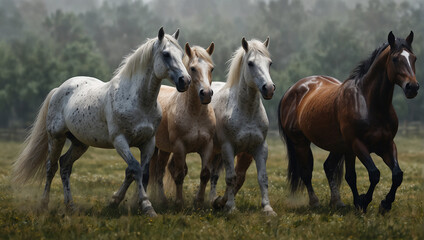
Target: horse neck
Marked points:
142	88
191	100
376	86
248	98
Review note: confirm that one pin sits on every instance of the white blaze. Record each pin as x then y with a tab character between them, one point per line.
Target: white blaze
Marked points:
406	55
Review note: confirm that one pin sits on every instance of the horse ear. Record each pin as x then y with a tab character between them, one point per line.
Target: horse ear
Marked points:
410	38
176	34
266	43
210	48
161	34
391	40
245	44
187	49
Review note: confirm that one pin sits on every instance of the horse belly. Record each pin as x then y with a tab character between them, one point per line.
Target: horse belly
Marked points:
84	114
318	122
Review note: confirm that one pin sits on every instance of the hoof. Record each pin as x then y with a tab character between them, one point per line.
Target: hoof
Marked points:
362	204
230	209
147	208
70	208
314	204
337	204
269	211
150	212
218	203
384	207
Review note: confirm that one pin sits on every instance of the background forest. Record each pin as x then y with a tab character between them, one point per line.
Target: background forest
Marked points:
45	42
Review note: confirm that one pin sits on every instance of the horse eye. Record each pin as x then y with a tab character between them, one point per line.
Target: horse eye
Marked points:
193	69
166	54
250	63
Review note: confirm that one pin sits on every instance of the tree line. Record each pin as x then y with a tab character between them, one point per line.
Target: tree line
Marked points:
41	47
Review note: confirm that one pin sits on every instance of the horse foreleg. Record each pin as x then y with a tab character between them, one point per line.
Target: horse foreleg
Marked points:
179	171
261	156
390	158
374	174
134	172
206	155
333	167
215	166
76	150
55	146
227	154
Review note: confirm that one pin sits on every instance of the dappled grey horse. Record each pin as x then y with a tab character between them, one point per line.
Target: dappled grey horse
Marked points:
120	114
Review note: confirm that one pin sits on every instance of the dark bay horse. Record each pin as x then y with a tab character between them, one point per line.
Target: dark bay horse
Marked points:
350	119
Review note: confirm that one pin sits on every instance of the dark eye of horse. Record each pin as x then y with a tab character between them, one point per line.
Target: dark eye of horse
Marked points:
166	54
193	69
250	63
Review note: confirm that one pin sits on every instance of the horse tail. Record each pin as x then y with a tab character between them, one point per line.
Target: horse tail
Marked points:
293	170
32	161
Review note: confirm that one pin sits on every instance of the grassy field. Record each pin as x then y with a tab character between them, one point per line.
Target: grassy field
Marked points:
100	172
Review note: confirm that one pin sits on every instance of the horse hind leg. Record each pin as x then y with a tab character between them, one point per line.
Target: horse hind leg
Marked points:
75	151
205	174
333	167
55	145
243	163
306	164
178	169
216	167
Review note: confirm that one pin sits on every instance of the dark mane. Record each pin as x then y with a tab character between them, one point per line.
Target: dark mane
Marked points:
359	71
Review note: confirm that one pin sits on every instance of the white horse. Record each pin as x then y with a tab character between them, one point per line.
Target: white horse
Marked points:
241	120
120	114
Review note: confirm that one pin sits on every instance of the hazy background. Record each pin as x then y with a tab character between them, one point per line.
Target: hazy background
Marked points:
45	42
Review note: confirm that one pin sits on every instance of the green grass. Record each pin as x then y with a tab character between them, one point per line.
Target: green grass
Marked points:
100	172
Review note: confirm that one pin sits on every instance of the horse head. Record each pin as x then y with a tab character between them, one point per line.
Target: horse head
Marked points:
256	66
200	66
401	64
168	62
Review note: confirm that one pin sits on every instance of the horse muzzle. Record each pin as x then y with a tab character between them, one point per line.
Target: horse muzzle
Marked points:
182	83
205	95
411	90
267	91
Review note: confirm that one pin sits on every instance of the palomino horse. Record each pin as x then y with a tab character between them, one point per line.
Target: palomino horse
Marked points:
350	119
241	120
188	125
120	114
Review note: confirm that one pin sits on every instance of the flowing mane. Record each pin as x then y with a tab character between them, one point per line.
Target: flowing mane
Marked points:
359	71
236	61
200	53
140	58
365	65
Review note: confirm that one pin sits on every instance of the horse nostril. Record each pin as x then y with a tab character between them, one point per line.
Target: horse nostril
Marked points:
202	93
264	87
211	92
408	86
273	86
181	80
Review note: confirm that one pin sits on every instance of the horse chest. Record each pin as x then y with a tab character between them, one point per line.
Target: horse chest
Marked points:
245	134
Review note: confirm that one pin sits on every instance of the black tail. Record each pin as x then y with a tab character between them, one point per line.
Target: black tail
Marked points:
293	170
